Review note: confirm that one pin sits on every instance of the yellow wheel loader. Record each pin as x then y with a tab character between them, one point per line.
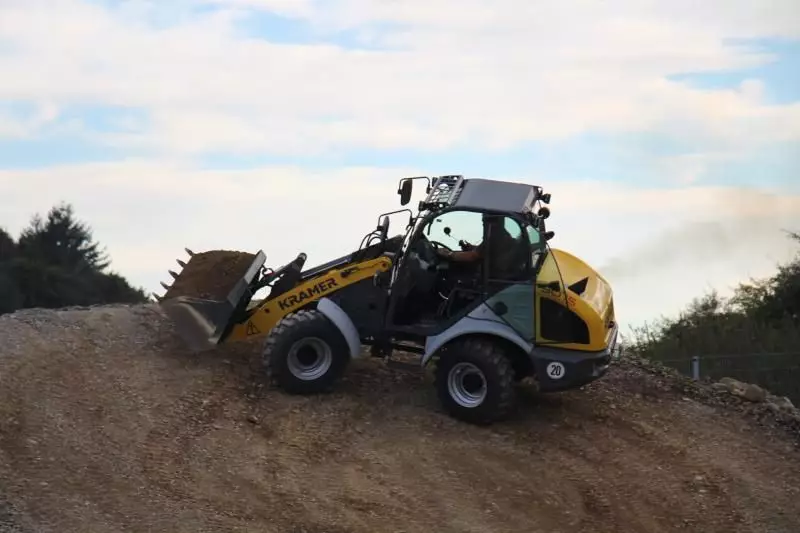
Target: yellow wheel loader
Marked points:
512	308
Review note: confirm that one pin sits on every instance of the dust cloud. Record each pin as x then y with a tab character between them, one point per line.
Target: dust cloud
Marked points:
661	275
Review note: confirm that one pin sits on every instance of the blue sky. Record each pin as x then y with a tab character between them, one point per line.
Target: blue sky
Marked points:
641	119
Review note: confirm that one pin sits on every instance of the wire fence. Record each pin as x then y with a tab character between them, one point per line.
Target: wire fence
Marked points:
778	372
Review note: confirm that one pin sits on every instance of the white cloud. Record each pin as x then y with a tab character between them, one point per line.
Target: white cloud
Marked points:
739	17
14	126
286	8
489	74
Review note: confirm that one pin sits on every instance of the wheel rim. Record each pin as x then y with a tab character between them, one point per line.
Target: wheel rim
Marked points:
467	385
309	358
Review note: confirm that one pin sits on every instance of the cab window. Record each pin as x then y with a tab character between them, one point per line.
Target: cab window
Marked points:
537	246
466	225
509	253
513	229
534	237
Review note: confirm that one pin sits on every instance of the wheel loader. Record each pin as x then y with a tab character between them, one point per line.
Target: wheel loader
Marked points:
510	308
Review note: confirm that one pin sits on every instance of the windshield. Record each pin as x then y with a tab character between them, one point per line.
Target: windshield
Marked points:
462	225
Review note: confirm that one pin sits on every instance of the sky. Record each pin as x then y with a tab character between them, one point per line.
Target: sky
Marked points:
668	133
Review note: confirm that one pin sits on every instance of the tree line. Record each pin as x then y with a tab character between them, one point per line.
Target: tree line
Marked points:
55	262
753	335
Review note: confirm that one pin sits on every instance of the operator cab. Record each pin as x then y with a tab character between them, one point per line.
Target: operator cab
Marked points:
429	292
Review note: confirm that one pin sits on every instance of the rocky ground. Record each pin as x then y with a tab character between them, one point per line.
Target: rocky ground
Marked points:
108	424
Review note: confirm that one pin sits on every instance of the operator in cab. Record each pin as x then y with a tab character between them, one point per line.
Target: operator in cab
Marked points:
501	249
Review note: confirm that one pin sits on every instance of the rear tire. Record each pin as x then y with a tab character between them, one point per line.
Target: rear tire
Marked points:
305	353
475	381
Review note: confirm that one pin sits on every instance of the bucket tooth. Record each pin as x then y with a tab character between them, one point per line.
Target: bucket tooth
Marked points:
173	274
181	263
166	287
158	298
188	251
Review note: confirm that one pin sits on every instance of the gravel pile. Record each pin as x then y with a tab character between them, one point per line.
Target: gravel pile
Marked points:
109	424
745	399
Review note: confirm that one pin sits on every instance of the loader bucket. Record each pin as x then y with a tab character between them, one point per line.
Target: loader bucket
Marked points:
208	293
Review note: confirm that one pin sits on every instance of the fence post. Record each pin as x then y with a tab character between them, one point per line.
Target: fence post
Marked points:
696	367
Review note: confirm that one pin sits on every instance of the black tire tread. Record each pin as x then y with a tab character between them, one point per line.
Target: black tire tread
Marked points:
487	353
283	334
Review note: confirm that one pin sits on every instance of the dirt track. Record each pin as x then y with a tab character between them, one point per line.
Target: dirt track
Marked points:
107	424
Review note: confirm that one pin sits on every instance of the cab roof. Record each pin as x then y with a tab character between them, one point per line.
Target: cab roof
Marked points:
482	194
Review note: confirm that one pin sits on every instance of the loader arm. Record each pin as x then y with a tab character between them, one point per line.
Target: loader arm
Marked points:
262	318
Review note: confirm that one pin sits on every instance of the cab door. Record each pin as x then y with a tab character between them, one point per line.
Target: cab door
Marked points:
511	290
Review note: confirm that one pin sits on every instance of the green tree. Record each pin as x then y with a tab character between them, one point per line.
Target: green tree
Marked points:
782	300
10	296
56	263
62	241
8	248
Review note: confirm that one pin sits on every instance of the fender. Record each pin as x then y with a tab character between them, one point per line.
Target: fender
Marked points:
482	320
335	314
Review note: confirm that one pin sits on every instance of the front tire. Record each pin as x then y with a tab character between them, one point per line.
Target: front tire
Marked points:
475	381
305	353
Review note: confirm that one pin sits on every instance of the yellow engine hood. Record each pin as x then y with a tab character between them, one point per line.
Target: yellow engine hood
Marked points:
587	293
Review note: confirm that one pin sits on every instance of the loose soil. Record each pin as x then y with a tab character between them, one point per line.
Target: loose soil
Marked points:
211	275
108	424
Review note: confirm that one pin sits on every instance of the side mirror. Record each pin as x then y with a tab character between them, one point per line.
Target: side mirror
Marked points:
405	191
546	198
549	235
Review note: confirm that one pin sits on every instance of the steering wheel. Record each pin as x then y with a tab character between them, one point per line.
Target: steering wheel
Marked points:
437	244
426	249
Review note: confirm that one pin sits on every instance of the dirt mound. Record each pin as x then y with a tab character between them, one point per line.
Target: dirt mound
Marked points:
108	424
